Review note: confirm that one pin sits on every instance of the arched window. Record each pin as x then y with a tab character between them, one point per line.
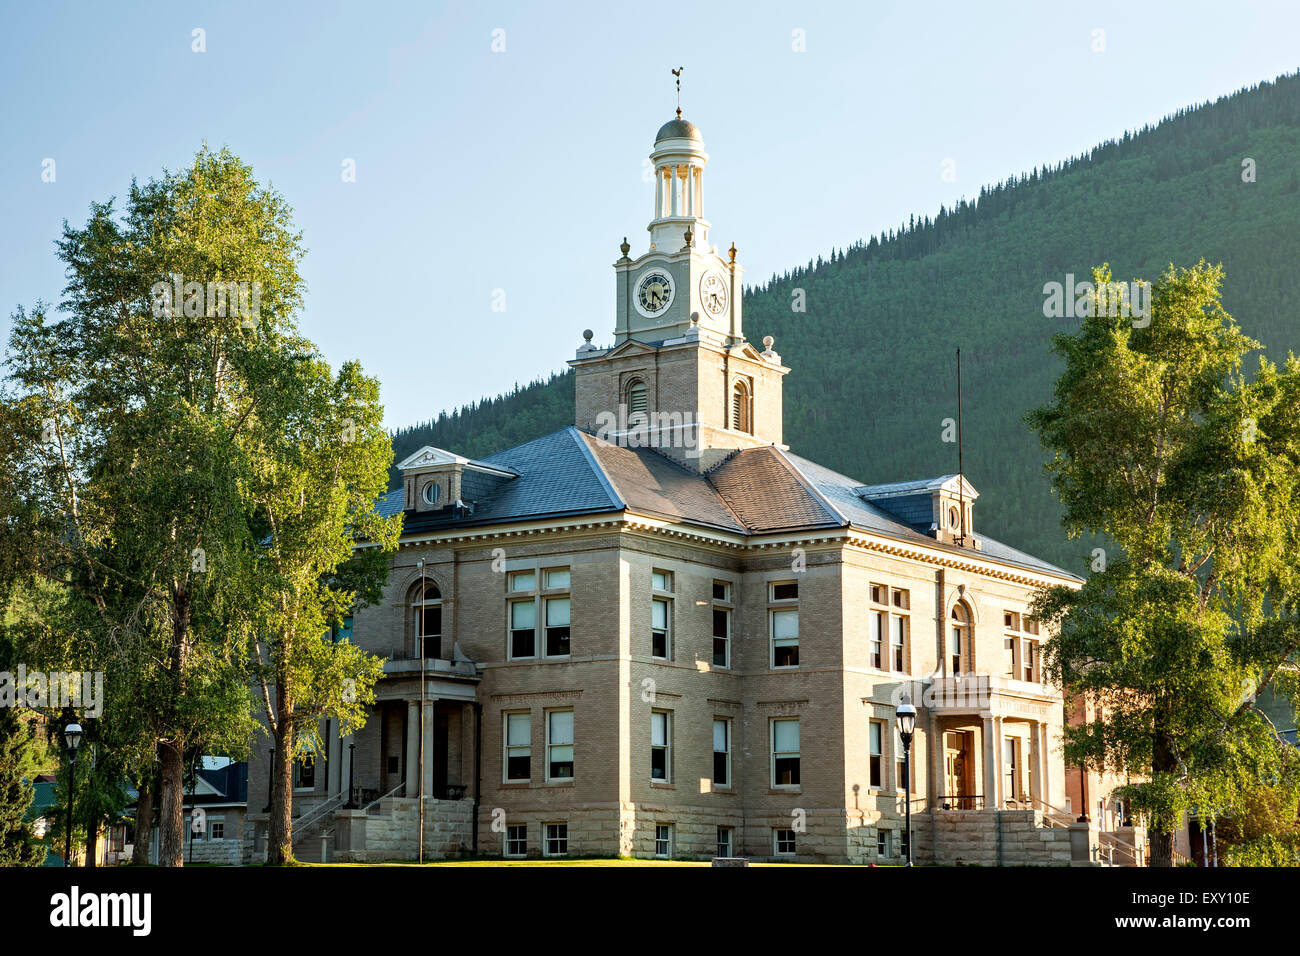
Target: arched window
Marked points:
961	647
740	409
636	397
427	629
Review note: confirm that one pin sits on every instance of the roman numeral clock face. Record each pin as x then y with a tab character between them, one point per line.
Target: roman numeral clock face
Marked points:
654	293
713	293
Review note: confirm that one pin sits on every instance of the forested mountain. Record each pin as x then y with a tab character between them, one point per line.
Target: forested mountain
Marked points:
872	357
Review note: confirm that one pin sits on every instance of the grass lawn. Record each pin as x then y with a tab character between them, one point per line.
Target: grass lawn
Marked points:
564	862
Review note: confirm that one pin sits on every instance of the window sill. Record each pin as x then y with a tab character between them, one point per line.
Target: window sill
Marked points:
559	784
661	785
515	785
716	789
784	791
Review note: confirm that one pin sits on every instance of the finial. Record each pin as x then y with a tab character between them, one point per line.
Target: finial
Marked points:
767	341
624	247
732	252
690	236
586	335
678	73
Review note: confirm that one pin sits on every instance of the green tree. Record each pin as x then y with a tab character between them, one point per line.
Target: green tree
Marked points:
18	760
321	461
127	471
1159	442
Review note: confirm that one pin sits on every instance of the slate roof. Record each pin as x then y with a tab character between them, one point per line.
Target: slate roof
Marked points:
761	490
647	481
769	494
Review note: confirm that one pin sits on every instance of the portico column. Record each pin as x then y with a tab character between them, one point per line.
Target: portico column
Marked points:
1044	758
659	195
1000	751
1036	763
938	747
672	172
990	764
699	192
412	742
429	706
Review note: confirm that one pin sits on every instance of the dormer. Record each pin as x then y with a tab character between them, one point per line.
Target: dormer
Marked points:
435	480
942	508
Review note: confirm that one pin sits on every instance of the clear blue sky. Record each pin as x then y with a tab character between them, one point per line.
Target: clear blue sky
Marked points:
521	170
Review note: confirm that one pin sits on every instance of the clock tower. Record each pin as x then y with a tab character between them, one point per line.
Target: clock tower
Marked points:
680	376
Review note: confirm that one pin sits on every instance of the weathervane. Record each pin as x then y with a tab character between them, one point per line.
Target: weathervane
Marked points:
678	73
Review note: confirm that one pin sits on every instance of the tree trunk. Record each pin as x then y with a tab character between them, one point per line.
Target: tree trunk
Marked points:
143	825
1162	847
171	805
279	841
1162	761
171	752
92	842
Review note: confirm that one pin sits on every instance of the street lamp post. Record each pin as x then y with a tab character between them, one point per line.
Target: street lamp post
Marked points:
71	740
352	759
906	715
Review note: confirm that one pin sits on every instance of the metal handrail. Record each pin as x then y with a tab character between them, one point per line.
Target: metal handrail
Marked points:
303	824
377	800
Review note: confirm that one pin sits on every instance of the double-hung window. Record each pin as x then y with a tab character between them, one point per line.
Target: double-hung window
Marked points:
559	745
721	752
519	748
517	840
660	746
875	754
538	599
785	752
722	608
661	614
889	628
783	614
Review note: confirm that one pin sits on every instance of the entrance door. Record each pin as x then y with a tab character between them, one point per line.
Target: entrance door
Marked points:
392	748
440	756
957	771
1010	771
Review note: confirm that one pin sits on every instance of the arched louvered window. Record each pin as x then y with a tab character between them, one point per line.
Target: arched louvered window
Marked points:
636	397
741	411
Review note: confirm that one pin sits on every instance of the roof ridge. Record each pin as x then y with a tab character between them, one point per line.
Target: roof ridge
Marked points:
580	438
811	487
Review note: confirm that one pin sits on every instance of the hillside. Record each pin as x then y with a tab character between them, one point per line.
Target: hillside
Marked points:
872	357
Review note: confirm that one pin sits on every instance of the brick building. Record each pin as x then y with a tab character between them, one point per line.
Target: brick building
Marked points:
658	632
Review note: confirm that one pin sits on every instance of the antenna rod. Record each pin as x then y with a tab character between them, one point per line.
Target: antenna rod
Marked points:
961	471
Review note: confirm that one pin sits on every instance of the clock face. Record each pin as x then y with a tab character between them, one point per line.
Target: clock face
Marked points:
654	293
713	293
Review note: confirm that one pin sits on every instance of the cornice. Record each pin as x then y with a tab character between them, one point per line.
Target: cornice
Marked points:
629	522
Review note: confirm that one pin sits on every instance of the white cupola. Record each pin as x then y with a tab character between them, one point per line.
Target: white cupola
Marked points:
679	160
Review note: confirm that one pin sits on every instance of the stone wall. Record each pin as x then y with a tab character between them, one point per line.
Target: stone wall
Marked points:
360	837
988	838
